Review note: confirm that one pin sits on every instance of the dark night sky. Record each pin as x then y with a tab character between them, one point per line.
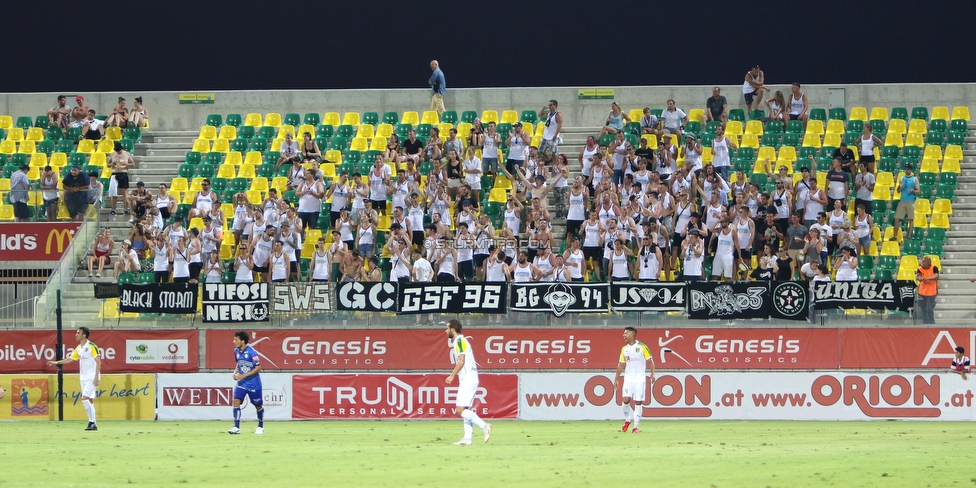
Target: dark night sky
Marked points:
385	44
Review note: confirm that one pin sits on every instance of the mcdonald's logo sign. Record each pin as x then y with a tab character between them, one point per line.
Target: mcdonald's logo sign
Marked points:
22	241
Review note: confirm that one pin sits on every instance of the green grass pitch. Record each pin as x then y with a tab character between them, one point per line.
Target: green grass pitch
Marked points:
538	454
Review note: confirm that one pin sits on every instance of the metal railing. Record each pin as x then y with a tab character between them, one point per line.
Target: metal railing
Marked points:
66	268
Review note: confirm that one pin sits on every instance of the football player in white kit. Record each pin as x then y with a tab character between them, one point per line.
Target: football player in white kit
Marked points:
633	364
89	371
466	369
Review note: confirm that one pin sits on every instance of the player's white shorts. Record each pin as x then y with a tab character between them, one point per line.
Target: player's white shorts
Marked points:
465	393
88	388
722	266
634	390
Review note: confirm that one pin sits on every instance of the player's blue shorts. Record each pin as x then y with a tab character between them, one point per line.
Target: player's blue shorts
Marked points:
254	394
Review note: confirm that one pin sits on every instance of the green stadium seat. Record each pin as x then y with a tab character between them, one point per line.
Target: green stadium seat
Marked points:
865	262
468	116
339	143
945	189
402	131
267	132
911	152
266	170
863	274
855	126
773	127
934	247
889	263
53	134
193	157
925	190
818	114
271	157
899	113
293	119
259	144
234	120
736	114
24	122
41	121
77	159
346	131
73	133
794	127
920	113
187	171
912	248
370	118
391	118
838	113
133	133
239	145
324	130
880	127
312	118
46	147
214	159
215	120
957	125
791	139
757	114
530	116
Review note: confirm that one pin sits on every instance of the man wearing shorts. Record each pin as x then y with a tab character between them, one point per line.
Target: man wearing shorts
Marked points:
19	188
908	186
248	377
633	364
89	371
554	123
466	370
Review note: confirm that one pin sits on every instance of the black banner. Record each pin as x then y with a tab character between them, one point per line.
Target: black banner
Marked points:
728	300
106	290
366	297
235	302
452	298
177	298
300	298
878	295
647	297
790	300
560	298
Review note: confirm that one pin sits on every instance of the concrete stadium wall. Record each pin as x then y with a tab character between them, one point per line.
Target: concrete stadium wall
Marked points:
167	114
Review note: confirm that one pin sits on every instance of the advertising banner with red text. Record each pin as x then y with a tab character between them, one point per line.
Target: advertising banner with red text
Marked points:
210	396
399	396
531	349
903	348
123	351
35	241
753	396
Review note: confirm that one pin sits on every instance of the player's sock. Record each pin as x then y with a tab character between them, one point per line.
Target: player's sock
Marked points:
89	409
237	417
261	418
637	415
628	413
473	418
467	429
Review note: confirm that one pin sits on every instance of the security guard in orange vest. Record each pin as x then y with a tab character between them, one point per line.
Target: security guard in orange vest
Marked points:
928	287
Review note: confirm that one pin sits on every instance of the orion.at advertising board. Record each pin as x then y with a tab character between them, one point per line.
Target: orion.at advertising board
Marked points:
752	395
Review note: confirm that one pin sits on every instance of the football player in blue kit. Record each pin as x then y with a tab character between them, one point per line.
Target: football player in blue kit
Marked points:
248	377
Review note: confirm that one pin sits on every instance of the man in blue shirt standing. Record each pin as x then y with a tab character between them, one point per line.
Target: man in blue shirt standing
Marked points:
437	88
248	381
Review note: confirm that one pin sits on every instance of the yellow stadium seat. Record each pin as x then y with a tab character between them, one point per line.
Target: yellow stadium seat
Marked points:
783	163
334	156
882	192
34	174
6	122
86	146
754	127
885	178
908	263
253	120
707	156
527	128
949	165
879	113
34	197
106	146
384	130
815	127
286	129
221	146
208	132
260	184
929	165
430	117
6	213
960	112
894	139
810	139
464	128
331	118
273	119
113	133
59	159
179	185
98	159
914	139
696	114
940	113
766	152
936	260
923	206
15	134
233	158
788	153
365	130
38	160
890	248
189	196
835	127
280	183
302	129
498	195
831	140
940	220
489	116
351	118
276	144
749	140
328	170
196	223
254	196
943	205
227	171
953	151
916	125
196	184
635	114
733	127
8	147
228	132
106	172
28	147
36	134
897	125
377	144
651	139
411	118
511	117
920	222
358	144
246	171
905	274
254	158
199	145
859	113
933	151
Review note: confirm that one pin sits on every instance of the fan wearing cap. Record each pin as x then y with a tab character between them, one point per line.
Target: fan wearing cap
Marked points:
128	259
79	113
